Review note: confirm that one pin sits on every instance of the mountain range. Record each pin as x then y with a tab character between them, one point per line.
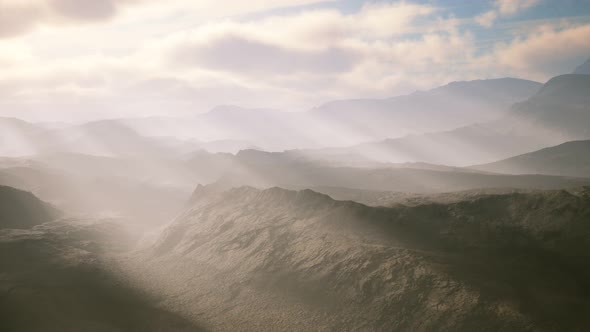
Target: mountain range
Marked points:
583	69
275	259
567	159
461	208
558	112
338	123
453	105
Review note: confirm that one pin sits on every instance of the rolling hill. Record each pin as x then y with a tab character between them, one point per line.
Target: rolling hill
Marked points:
583	69
558	112
55	277
453	105
263	170
20	209
567	159
96	186
347	122
275	259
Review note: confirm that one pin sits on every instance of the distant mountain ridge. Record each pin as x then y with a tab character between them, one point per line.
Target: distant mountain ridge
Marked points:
345	122
583	69
505	90
558	112
20	209
18	137
263	170
453	105
446	107
567	159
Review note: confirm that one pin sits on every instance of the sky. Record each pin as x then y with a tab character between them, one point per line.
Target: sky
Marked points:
85	59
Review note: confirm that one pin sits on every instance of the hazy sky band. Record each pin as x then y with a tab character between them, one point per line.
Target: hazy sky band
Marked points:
143	57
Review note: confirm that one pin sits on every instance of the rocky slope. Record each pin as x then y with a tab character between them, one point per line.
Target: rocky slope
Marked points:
56	277
284	260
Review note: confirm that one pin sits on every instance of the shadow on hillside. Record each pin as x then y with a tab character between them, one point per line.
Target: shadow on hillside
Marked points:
553	290
47	286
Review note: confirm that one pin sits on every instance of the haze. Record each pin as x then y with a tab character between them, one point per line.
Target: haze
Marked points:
294	165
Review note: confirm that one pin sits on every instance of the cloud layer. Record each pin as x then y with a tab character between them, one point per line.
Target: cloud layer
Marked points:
131	57
503	8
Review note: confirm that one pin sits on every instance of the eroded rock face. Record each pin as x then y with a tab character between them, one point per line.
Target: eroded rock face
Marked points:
284	260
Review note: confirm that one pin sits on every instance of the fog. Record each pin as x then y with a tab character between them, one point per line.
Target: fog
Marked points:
294	166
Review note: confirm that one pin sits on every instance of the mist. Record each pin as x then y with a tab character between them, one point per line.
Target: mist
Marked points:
294	165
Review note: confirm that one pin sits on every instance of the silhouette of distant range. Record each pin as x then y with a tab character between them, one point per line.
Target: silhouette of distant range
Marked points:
567	159
461	208
558	112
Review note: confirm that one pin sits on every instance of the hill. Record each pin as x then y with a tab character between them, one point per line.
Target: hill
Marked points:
276	259
558	112
453	105
583	69
55	277
92	185
347	122
567	159
21	209
263	170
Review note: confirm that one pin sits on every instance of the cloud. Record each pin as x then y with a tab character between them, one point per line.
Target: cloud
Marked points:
85	9
535	55
295	60
384	20
17	18
238	54
147	62
504	8
487	19
21	16
512	7
318	42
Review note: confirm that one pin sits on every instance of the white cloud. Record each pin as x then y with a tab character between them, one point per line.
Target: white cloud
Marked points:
318	42
546	52
503	8
144	62
487	19
21	16
383	20
292	59
512	7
